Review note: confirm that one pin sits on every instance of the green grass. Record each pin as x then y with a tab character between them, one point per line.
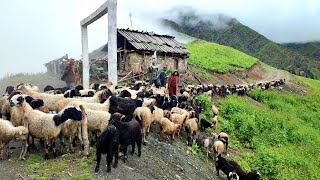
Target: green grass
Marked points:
282	133
212	56
70	166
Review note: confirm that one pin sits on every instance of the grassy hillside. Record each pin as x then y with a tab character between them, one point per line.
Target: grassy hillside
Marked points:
243	38
212	56
37	79
282	132
311	49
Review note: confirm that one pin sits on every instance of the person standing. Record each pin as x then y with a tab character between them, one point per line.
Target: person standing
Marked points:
173	83
161	78
69	75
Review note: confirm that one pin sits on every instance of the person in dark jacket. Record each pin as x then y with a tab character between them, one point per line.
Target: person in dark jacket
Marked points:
161	77
68	74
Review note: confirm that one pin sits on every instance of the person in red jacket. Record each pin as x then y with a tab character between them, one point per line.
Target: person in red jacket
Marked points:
173	83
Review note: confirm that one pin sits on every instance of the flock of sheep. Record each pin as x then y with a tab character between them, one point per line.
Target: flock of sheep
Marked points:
115	117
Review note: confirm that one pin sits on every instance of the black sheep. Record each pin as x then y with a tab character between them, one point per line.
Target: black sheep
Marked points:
173	102
124	93
9	90
36	103
63	89
108	143
162	101
95	86
71	93
130	133
223	165
79	87
48	88
124	106
204	124
253	175
136	86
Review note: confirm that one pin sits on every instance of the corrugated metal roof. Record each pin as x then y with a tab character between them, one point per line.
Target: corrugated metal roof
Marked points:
153	42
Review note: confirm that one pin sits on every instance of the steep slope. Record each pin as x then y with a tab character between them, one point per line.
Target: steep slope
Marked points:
241	37
310	49
212	56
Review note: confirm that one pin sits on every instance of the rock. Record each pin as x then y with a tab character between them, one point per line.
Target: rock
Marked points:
180	168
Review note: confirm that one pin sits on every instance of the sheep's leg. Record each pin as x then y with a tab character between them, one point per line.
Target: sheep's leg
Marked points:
98	156
116	157
139	146
172	137
61	140
80	137
217	169
109	161
54	149
133	146
144	136
161	136
46	150
24	150
28	142
71	145
226	151
32	143
124	149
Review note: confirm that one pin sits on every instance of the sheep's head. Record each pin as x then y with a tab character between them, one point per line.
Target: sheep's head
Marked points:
254	175
233	175
37	103
16	100
70	93
44	109
21	133
71	113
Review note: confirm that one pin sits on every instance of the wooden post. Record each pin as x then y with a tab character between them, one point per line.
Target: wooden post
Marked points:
85	131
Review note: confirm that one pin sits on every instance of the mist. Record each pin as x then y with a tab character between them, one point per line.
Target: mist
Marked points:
35	32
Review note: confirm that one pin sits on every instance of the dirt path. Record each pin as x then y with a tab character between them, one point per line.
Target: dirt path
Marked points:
160	160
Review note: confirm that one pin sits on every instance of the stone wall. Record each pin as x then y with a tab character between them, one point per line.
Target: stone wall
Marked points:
141	62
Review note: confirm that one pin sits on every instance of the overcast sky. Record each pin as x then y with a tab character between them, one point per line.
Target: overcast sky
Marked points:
34	32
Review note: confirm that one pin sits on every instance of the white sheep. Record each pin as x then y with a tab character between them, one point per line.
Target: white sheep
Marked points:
218	148
157	114
214	109
215	122
94	106
178	119
97	98
144	115
69	130
48	99
182	111
191	128
45	126
148	101
9	132
166	126
97	120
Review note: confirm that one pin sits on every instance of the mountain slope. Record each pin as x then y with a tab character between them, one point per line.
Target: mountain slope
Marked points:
310	49
241	37
212	56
